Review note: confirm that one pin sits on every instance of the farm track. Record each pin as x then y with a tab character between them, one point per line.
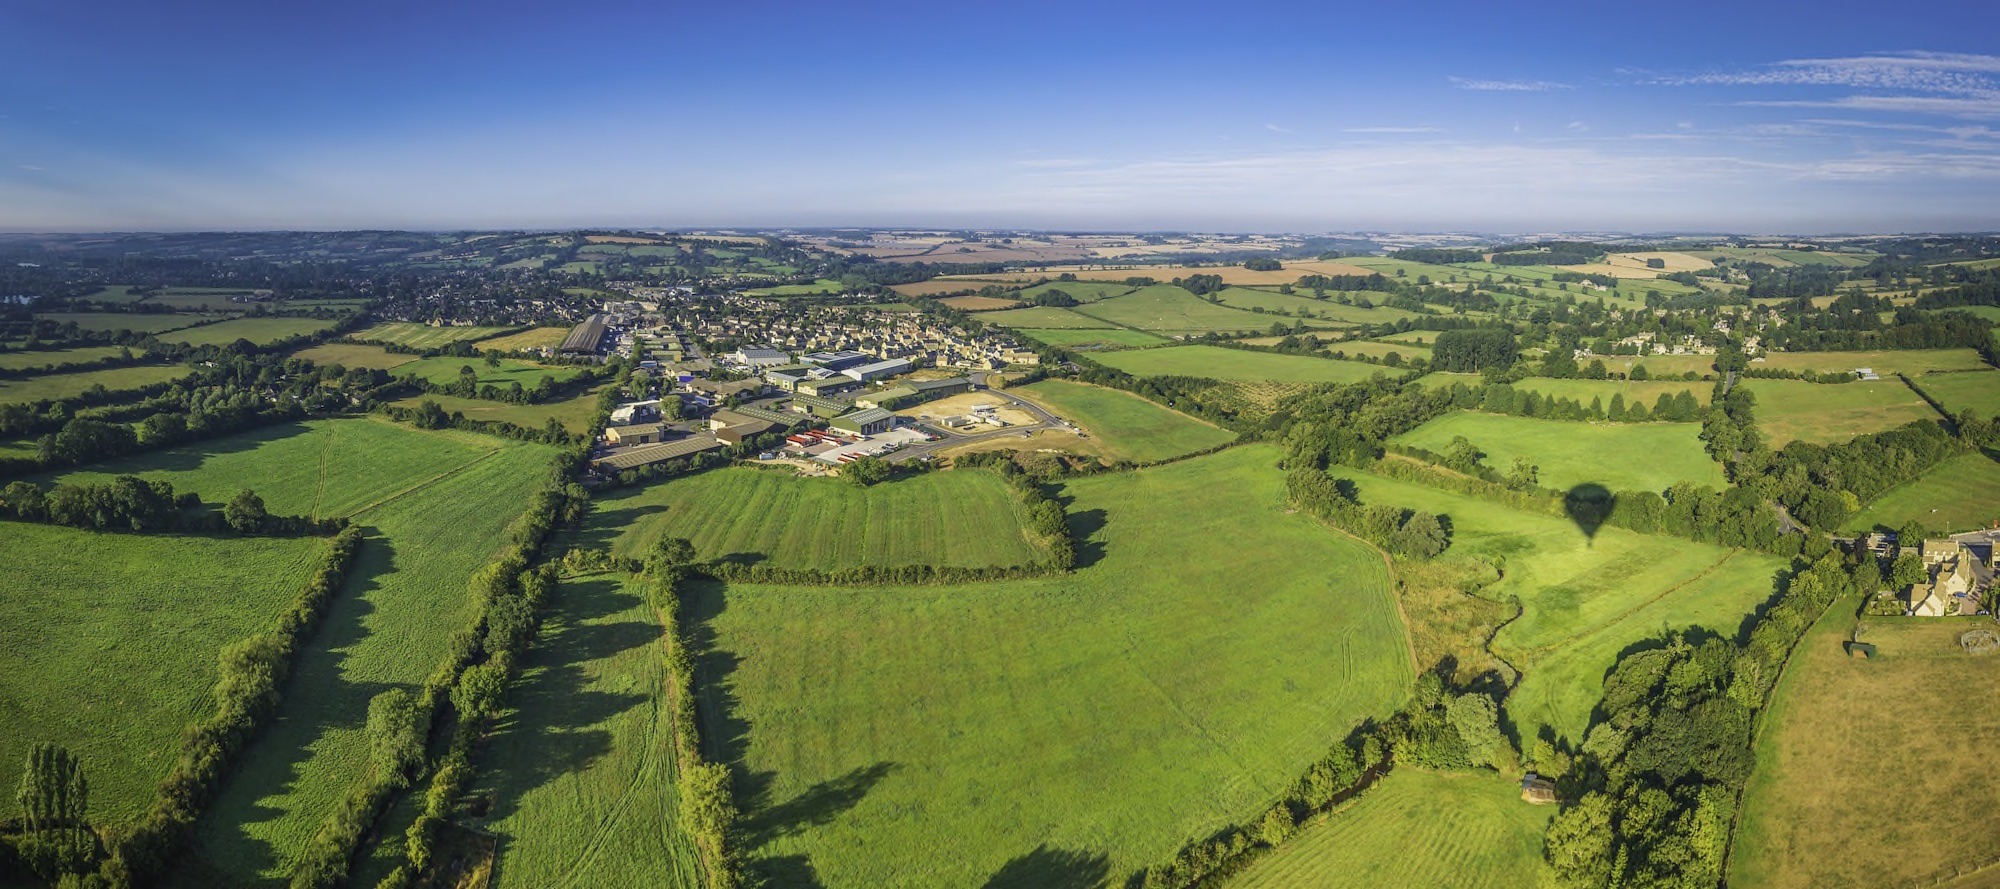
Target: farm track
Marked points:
367	507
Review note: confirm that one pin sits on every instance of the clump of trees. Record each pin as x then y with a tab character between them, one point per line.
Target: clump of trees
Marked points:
55	839
1406	532
131	503
1474	349
1263	264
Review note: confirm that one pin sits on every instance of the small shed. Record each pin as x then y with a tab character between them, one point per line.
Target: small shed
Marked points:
1538	790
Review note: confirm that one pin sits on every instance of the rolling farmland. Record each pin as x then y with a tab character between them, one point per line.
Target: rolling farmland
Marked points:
1164	308
424	336
964	518
56	387
261	331
135	322
532	338
1975	391
574	413
1960	494
1126	706
37	360
350	355
445	370
1083	338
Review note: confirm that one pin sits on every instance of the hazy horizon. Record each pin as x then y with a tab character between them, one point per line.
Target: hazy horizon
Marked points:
1791	118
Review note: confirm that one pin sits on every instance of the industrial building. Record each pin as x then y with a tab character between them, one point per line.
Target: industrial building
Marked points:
872	421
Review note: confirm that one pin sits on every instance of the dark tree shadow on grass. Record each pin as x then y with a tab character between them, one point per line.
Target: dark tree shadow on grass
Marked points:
603	526
554	722
1046	868
1083	529
817	806
788	872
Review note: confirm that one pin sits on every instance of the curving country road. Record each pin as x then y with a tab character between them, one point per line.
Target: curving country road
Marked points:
952	439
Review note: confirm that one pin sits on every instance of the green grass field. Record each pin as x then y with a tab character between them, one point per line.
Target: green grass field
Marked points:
1466	830
1087	291
59	357
1619	456
1584	599
581	768
1904	361
424	336
260	331
575	413
1045	318
70	385
1960	494
350	355
1816	813
1832	413
966	518
436	505
1647	391
1166	309
137	323
1408	351
1125	426
1304	306
113	638
819	287
1075	338
1975	391
444	370
1218	363
948	733
532	338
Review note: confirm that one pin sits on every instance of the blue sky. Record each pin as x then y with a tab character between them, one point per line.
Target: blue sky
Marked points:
1786	117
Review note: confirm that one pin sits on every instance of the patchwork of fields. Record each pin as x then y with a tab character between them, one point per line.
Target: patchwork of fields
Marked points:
37	360
948	734
1080	338
259	331
1839	727
574	413
56	387
965	518
1122	425
436	505
1166	309
446	370
1976	391
424	336
1219	363
1584	598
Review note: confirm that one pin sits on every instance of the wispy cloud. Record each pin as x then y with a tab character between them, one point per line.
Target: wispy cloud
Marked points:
1275	128
32	168
1915	82
1393	130
1579	126
1508	86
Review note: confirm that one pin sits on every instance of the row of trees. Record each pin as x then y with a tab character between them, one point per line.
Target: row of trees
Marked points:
131	503
1405	532
1475	349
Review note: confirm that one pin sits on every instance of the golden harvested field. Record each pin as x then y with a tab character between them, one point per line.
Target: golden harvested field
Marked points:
1873	772
979	303
352	355
1675	262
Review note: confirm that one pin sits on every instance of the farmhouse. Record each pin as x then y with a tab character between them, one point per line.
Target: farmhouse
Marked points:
872	421
1955	573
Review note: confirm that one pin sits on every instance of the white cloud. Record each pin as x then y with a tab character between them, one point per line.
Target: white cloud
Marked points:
1514	86
1393	130
1275	128
1579	126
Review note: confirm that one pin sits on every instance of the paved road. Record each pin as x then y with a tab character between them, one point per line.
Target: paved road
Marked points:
950	439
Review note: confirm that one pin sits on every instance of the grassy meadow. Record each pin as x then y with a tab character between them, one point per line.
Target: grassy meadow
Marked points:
979	303
1122	425
58	358
132	321
575	413
1817	811
946	735
113	639
424	336
444	371
1584	598
965	518
1884	362
1960	494
1166	309
260	331
1219	363
1822	413
1975	391
350	355
1582	391
1044	317
1465	830
1619	456
436	505
580	766
56	387
532	338
1079	338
